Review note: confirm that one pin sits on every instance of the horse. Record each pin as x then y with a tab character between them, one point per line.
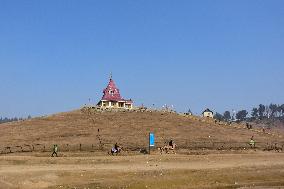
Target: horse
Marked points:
114	151
168	148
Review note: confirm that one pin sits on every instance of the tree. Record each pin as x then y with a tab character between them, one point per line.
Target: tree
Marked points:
227	115
267	112
241	115
279	111
218	116
282	109
5	120
254	113
261	110
273	110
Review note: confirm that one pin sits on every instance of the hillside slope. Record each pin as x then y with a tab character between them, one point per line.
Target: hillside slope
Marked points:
130	129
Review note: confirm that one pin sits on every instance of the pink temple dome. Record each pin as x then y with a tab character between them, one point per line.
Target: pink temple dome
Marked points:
111	93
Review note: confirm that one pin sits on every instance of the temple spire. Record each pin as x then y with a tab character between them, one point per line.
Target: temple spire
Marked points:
110	76
112	99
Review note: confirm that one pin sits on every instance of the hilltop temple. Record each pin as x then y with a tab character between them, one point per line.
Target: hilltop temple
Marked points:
113	99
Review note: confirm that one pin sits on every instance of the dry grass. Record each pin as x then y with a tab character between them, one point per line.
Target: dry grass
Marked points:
255	170
127	128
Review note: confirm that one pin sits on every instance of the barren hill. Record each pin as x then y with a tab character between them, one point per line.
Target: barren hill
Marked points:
130	128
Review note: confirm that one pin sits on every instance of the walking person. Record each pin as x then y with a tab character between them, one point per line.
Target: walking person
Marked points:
252	142
55	150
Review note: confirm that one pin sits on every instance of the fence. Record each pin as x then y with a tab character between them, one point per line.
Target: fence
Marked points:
48	148
135	148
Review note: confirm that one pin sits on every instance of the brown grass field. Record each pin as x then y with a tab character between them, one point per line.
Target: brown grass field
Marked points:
244	170
209	154
129	129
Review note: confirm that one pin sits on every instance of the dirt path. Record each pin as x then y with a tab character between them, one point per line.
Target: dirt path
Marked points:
167	171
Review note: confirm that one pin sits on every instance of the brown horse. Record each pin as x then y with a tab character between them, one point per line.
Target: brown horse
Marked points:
168	148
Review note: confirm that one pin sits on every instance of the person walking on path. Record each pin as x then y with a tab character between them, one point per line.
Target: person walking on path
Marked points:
252	142
55	150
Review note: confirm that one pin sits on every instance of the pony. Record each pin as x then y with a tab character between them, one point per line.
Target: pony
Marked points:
168	148
114	151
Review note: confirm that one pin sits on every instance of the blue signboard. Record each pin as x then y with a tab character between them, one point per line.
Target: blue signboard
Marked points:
152	139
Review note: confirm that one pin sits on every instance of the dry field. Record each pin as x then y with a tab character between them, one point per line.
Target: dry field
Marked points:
258	170
199	162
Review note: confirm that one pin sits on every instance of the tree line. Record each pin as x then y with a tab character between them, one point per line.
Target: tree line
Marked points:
261	112
6	120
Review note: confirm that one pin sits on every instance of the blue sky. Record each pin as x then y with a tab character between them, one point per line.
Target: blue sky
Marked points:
224	55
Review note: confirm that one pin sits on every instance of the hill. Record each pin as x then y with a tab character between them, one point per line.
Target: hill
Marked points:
97	129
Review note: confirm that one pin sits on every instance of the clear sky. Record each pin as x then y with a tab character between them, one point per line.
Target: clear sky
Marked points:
221	54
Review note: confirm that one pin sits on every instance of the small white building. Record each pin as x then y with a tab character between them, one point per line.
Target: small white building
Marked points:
208	113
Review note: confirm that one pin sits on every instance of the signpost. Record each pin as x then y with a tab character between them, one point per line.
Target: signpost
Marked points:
151	141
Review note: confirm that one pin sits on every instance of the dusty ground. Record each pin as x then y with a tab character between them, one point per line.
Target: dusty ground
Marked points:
240	170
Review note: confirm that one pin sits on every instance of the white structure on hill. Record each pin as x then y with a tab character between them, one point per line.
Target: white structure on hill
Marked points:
208	113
